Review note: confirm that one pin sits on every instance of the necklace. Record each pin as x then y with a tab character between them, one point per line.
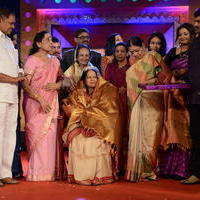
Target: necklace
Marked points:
183	52
124	64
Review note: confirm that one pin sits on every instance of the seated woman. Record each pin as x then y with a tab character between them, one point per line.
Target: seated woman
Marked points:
93	130
71	77
146	112
74	72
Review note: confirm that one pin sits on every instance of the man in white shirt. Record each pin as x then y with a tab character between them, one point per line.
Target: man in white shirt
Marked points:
9	79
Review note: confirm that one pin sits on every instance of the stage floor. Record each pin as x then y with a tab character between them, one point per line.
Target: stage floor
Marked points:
155	190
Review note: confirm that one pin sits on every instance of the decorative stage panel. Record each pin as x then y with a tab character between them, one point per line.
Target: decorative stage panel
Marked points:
128	18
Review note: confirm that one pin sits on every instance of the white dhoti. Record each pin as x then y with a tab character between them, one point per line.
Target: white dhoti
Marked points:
8	125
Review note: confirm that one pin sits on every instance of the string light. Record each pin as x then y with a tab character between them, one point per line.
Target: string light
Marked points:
73	1
58	1
88	1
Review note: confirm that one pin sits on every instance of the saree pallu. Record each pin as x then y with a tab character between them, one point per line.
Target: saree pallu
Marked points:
144	71
117	76
144	136
105	60
175	141
176	121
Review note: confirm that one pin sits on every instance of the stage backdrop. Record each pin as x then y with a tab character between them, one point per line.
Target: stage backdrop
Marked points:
102	18
102	31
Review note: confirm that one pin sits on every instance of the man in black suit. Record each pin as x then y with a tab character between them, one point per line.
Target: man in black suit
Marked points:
194	101
81	36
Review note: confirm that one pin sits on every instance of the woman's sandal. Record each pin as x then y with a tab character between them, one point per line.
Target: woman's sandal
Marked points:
85	183
191	180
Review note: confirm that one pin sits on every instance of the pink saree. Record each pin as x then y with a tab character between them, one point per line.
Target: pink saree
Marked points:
40	127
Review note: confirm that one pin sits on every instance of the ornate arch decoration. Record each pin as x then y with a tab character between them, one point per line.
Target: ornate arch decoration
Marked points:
172	14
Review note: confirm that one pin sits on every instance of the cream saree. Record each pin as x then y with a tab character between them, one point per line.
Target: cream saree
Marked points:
74	73
146	119
145	130
89	161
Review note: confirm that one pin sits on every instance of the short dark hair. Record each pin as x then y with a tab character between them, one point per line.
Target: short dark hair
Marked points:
55	39
5	13
136	41
124	44
163	45
197	12
79	31
110	44
187	26
121	44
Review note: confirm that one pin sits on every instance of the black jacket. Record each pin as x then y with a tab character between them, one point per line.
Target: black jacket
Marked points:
194	71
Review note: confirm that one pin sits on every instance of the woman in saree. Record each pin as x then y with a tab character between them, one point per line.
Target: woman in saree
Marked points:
146	112
157	42
93	130
41	108
71	77
116	74
176	141
111	41
74	72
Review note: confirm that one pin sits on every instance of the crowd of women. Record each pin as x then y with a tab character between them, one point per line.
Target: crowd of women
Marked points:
115	124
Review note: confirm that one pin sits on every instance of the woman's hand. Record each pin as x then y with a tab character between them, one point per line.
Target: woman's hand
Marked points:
45	106
122	90
20	78
52	86
151	81
67	108
179	72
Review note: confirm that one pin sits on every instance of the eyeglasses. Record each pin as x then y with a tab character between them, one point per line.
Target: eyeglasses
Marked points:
84	37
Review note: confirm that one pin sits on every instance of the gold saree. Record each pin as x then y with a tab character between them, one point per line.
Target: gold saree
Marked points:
99	115
176	123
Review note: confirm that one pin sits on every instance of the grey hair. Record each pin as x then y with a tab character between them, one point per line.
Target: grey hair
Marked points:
93	68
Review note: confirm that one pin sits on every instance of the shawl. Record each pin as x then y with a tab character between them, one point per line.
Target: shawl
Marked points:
101	114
